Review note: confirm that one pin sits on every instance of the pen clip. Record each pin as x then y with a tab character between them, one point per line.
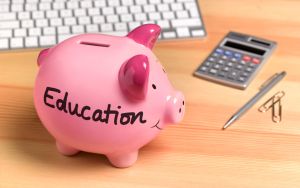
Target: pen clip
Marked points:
268	81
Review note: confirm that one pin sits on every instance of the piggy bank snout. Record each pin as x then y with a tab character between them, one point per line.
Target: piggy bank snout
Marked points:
175	107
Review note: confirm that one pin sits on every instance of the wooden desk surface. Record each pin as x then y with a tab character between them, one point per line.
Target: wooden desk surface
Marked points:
254	152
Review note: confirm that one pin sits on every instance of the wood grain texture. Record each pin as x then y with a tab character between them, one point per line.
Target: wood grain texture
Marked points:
254	152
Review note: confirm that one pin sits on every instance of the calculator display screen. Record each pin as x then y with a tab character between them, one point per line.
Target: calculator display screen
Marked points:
245	48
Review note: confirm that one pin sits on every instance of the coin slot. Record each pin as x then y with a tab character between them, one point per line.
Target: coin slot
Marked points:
95	44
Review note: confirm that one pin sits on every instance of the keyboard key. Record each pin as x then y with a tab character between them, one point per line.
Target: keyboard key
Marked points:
149	8
77	29
169	35
31	41
47	40
5	33
65	13
49	31
198	33
186	22
4	44
183	32
9	24
63	30
20	32
64	37
38	14
92	28
27	23
41	23
106	27
121	26
122	10
182	14
16	43
35	31
8	16
164	24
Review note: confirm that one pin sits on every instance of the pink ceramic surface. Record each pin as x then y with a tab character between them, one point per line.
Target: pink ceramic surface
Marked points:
105	94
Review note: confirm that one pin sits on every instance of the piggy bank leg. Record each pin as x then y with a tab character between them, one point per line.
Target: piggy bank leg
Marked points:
65	150
123	160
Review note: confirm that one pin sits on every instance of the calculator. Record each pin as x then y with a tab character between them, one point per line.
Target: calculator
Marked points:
236	60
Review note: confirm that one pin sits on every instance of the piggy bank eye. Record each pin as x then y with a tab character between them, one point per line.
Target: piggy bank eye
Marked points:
164	70
153	86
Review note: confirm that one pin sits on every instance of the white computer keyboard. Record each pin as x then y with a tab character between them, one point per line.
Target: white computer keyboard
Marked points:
43	23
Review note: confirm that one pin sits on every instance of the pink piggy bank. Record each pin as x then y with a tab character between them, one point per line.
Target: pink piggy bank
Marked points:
105	94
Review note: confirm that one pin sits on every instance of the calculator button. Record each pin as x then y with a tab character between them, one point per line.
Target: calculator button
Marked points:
207	63
234	59
221	61
241	79
226	69
237	55
212	59
256	60
215	55
239	67
224	57
243	62
246	58
228	53
233	74
253	65
216	66
249	69
213	71
230	64
222	74
245	74
219	50
203	69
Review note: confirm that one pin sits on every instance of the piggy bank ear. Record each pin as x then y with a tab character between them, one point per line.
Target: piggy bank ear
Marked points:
133	77
42	56
146	34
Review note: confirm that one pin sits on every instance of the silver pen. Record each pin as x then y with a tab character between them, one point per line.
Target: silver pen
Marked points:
263	90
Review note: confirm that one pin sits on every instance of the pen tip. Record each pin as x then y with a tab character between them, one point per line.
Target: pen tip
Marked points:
229	122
